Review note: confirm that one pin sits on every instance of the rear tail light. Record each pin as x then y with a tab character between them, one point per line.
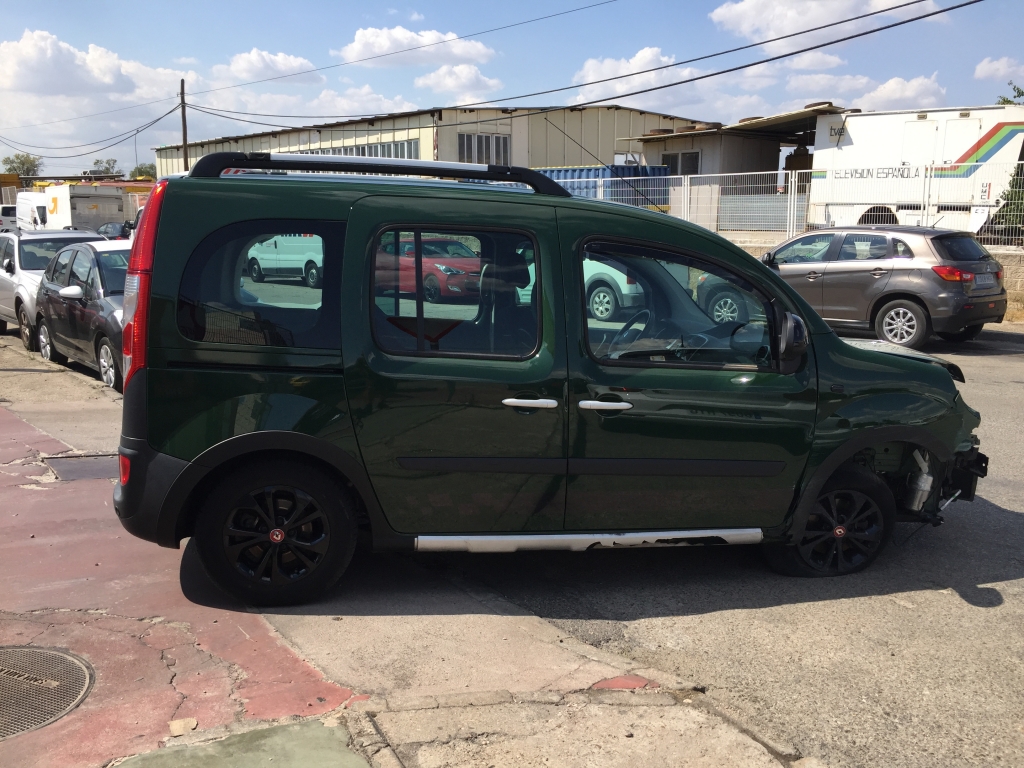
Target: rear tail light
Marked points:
137	286
999	274
124	465
953	274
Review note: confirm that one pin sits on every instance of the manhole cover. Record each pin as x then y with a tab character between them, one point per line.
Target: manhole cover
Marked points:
38	686
84	467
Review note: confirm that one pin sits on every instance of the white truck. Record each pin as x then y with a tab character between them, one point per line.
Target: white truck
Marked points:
945	167
73	206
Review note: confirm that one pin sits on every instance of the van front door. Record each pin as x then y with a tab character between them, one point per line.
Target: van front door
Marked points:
456	378
676	420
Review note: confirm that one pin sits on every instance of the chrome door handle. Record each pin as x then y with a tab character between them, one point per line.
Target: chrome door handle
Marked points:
522	402
601	405
877	272
813	275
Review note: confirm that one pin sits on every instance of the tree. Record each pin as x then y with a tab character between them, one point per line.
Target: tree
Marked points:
23	165
1017	98
105	166
143	169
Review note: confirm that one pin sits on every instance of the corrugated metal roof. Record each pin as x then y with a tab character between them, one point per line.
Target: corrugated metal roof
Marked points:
780	124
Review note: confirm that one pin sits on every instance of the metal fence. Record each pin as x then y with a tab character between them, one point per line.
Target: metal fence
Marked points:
986	198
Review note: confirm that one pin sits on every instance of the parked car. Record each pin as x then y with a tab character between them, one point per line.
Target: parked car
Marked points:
23	257
450	269
276	433
904	283
80	305
286	256
115	230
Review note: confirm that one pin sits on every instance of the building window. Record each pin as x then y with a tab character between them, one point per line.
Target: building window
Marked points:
485	148
403	150
682	163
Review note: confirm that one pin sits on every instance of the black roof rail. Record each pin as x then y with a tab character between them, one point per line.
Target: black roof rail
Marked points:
213	165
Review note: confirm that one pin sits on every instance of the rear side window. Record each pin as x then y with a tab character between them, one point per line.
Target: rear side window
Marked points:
265	283
456	293
961	248
901	250
863	247
58	269
8	210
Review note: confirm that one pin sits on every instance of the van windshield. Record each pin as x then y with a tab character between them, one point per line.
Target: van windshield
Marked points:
36	254
961	248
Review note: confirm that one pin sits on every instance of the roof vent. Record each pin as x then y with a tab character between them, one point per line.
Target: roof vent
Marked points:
819	104
710	126
923	116
965	114
660	131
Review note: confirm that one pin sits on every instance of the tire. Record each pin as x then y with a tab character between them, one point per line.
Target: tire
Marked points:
106	361
46	348
850	525
28	334
256	271
969	333
602	303
285	564
727	307
3	326
903	323
431	290
312	276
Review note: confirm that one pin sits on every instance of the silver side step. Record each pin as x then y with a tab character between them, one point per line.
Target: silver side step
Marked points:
578	542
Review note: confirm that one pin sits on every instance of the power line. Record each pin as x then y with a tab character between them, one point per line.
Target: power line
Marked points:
83	117
607	79
134	132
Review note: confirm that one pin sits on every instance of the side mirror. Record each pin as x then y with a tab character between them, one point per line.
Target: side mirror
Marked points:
768	258
792	342
72	292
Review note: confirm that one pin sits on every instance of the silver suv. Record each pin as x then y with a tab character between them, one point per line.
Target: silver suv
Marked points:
904	283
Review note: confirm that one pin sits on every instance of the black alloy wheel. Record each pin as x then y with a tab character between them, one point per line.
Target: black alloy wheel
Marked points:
431	290
256	271
312	275
28	337
969	333
849	526
276	533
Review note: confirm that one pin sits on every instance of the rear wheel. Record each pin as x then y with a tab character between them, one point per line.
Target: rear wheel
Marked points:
256	271
106	361
727	307
969	333
276	532
28	338
46	348
312	275
603	303
849	526
904	323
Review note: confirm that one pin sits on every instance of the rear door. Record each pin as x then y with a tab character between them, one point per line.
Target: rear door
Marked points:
54	308
676	421
458	405
856	277
75	334
801	263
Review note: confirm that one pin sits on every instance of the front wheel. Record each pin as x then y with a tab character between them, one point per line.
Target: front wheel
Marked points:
849	526
106	361
276	532
256	271
603	303
28	338
727	307
969	333
46	349
903	323
312	275
431	290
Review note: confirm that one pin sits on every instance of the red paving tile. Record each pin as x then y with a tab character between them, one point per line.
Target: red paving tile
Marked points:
625	682
84	584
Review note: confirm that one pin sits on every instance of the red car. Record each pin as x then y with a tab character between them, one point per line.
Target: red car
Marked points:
450	268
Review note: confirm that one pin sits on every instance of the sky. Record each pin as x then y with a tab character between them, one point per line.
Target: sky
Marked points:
63	62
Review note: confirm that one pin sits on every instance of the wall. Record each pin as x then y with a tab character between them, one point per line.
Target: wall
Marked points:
720	153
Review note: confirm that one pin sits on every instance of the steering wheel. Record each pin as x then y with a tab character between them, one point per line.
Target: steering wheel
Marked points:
645	313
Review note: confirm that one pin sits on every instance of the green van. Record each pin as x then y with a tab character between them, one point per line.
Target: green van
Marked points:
279	423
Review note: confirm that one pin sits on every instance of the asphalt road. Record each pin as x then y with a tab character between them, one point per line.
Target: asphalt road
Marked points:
917	662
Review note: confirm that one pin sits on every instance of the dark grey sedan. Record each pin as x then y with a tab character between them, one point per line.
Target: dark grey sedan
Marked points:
903	283
79	307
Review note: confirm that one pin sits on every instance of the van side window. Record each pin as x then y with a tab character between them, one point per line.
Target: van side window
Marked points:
668	309
455	292
265	283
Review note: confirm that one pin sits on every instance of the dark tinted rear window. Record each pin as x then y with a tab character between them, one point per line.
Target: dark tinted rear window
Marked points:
961	248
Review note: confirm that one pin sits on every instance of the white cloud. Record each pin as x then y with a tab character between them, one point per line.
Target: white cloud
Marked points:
357	101
259	65
376	42
898	93
465	80
766	19
828	85
416	16
998	69
814	60
185	60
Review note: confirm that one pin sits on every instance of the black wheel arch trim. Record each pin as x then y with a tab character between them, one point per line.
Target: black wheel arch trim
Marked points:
176	513
792	528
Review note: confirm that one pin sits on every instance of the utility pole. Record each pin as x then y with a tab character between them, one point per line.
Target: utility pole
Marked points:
184	126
